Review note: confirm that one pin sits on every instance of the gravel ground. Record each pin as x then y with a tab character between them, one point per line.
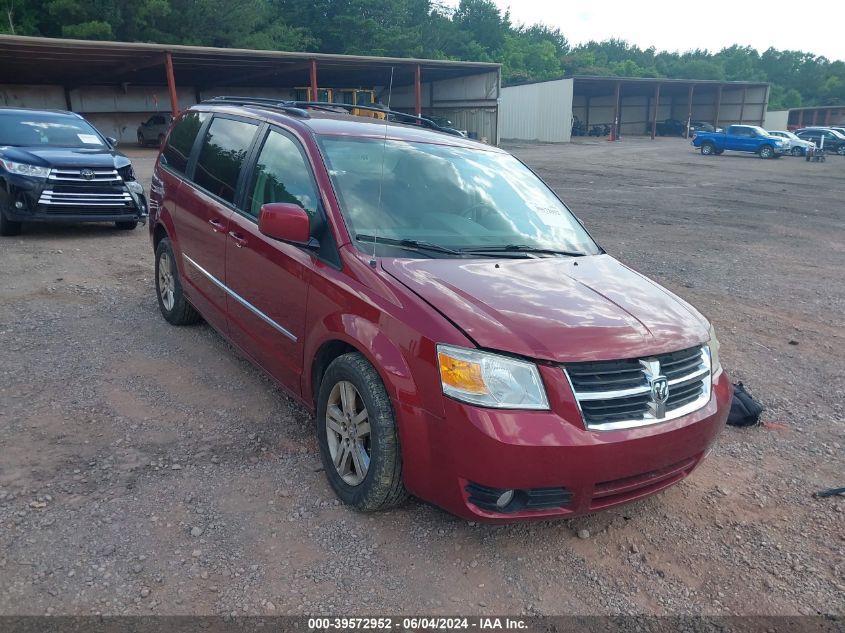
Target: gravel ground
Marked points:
149	469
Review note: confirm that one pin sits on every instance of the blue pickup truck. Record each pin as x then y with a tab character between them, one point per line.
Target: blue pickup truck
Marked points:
740	138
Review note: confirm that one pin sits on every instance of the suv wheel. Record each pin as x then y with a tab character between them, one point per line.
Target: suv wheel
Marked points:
766	151
358	438
171	300
707	149
8	228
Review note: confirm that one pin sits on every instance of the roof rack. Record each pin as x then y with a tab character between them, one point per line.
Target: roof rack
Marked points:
300	109
276	104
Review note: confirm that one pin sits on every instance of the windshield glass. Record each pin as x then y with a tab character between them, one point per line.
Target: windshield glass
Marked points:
452	197
43	128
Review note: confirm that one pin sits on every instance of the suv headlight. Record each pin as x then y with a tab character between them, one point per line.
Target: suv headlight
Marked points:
25	169
713	351
490	380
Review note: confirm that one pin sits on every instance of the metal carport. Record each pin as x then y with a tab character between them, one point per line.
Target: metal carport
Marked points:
113	83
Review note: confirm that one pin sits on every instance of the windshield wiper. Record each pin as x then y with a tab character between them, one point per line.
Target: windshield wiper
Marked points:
522	248
412	244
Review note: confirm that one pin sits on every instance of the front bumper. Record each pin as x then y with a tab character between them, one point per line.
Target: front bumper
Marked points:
26	199
449	460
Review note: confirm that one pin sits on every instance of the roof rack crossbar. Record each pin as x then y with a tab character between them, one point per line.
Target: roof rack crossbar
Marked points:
403	117
276	104
300	109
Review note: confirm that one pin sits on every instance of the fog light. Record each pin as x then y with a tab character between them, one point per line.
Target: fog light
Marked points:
19	204
504	499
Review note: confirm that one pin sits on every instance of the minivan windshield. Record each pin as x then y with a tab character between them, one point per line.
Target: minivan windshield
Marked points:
455	199
27	129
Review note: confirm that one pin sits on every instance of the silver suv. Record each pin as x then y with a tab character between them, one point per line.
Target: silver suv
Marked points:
154	129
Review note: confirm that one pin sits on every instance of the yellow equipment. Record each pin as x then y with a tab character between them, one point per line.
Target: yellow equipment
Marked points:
356	96
324	95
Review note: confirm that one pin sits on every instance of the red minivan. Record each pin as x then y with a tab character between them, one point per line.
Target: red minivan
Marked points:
454	328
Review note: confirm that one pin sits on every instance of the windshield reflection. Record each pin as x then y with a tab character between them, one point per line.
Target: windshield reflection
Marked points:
455	197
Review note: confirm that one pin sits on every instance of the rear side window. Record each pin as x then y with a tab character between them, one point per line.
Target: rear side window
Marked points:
222	155
281	175
181	140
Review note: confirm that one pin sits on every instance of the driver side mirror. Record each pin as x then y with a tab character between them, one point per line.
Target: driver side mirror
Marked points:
285	221
111	141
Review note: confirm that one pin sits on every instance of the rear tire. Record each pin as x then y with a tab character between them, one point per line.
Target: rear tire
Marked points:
369	473
9	228
171	299
708	149
127	225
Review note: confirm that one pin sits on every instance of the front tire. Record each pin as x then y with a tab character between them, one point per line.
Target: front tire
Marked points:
708	149
9	228
767	152
358	438
172	302
841	151
797	151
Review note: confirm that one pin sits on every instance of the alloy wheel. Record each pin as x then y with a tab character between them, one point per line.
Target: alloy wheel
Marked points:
166	282
348	432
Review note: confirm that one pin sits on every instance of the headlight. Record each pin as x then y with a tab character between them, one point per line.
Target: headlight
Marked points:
490	380
25	169
713	351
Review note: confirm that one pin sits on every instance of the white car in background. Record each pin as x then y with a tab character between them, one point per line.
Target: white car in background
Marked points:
796	146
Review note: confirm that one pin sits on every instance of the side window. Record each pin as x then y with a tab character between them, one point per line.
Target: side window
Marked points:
158	120
178	150
221	157
281	175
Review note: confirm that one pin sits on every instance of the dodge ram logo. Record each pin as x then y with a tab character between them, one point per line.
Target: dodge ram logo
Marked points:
660	389
87	174
659	385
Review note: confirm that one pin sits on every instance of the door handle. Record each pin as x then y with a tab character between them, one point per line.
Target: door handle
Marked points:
216	225
240	241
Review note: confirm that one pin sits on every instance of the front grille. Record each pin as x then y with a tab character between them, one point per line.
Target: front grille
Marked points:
82	191
84	175
624	393
534	499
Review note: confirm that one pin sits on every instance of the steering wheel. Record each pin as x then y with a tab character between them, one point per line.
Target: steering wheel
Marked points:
472	212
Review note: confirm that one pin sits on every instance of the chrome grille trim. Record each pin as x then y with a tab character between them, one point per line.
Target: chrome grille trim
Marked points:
87	199
687	372
69	174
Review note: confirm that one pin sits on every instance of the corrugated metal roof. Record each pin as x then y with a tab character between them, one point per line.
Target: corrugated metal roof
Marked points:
39	60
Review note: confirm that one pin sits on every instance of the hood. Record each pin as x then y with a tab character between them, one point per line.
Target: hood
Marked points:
102	157
556	309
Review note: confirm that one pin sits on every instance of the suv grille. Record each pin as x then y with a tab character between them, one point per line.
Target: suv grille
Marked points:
88	191
628	393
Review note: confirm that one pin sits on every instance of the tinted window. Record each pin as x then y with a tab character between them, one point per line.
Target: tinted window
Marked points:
281	175
221	156
157	120
181	140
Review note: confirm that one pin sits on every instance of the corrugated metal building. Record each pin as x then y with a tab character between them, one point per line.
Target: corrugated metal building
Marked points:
545	112
116	85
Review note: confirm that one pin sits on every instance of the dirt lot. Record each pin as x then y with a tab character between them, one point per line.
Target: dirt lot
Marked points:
148	469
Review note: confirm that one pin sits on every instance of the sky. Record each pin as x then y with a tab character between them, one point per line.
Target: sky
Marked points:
672	25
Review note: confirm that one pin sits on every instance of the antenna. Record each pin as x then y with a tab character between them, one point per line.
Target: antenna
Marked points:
381	180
